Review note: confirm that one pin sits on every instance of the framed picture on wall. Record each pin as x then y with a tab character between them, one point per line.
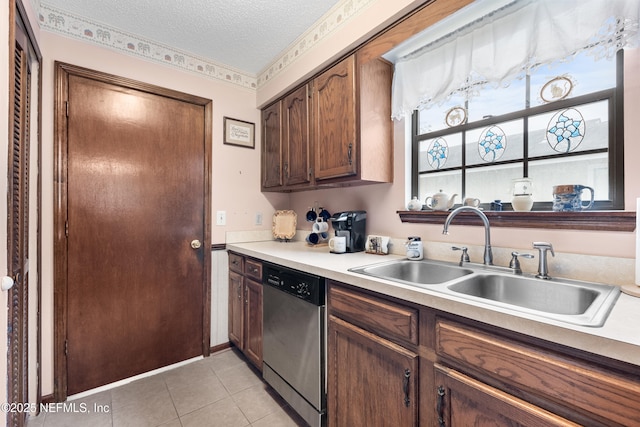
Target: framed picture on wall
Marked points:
238	132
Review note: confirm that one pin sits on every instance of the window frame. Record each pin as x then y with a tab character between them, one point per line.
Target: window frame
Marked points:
615	148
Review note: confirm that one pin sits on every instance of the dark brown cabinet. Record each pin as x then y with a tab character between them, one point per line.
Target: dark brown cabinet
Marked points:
352	127
296	149
334	130
245	306
286	143
459	372
580	388
236	309
272	147
463	401
334	121
372	381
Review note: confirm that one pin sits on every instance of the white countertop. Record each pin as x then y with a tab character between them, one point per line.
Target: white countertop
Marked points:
618	338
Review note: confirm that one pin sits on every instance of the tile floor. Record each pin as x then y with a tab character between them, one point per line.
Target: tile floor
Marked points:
221	390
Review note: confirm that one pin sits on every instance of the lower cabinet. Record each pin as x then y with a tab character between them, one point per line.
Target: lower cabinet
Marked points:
394	363
463	401
372	380
583	388
245	306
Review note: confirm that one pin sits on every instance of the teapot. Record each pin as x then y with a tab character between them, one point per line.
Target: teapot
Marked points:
440	201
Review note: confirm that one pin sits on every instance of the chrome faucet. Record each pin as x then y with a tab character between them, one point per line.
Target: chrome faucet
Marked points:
488	255
543	269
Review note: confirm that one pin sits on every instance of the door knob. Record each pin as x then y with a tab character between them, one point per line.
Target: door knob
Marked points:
7	283
195	244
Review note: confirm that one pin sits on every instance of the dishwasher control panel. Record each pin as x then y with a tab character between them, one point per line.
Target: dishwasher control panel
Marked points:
306	286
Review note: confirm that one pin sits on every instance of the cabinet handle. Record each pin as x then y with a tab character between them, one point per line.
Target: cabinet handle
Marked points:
405	387
286	169
441	396
350	153
240	292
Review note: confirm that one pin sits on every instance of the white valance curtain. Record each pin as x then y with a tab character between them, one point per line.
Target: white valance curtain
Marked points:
504	44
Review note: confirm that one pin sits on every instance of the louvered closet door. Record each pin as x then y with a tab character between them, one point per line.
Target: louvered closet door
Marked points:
18	239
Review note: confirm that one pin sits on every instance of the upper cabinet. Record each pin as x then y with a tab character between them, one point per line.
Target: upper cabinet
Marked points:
334	130
296	148
286	143
272	147
334	121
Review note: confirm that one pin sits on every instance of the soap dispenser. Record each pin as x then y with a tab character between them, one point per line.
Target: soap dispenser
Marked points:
415	250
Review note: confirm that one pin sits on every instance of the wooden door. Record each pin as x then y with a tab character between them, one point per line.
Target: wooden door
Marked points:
135	189
334	121
297	168
371	381
272	146
463	401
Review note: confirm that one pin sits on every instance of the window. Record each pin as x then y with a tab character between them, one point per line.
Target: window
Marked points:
559	124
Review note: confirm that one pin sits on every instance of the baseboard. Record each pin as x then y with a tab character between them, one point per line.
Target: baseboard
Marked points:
220	347
47	399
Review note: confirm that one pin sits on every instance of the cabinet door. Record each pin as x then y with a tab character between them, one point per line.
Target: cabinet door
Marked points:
272	146
463	401
334	121
296	167
583	388
236	309
253	319
371	381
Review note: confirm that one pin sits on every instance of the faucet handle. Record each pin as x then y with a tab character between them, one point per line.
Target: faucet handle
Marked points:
514	264
464	257
515	255
543	246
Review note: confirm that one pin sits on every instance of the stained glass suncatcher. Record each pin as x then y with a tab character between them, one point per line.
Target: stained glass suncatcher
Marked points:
492	144
437	153
566	130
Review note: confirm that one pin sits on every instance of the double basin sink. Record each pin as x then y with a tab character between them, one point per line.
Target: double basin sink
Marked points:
575	302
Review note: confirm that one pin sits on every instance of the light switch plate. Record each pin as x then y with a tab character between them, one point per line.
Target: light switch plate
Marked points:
221	218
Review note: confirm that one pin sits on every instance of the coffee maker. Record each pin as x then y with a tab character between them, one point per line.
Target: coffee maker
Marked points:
352	225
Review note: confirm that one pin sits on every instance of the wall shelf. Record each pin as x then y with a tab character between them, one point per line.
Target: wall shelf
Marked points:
587	220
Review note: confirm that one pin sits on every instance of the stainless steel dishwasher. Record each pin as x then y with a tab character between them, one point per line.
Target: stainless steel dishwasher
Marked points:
294	339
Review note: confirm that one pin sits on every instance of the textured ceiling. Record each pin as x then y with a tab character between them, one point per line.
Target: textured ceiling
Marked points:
246	35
